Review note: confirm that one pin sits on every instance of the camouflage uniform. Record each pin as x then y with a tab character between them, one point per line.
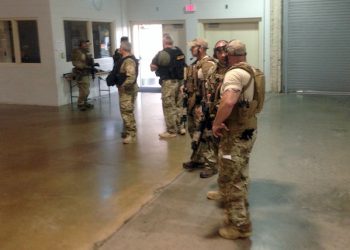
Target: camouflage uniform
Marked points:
196	88
127	97
234	152
213	85
181	110
170	86
82	60
170	90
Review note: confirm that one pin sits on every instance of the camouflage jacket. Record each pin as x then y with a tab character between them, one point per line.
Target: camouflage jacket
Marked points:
128	68
197	74
82	61
214	82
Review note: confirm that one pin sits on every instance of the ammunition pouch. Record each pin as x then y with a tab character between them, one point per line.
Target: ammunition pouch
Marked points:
190	85
242	118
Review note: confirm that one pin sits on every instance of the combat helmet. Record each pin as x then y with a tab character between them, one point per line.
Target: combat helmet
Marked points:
163	58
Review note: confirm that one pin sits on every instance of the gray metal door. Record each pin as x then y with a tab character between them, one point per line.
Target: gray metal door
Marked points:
316	46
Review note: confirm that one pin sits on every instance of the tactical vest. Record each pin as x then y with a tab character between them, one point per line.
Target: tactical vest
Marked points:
213	86
121	77
195	87
243	115
82	61
175	68
215	80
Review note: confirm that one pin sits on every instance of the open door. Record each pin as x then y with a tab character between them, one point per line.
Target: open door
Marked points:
147	41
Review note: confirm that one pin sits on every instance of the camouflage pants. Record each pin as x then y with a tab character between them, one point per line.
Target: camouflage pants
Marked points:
181	110
207	152
191	124
192	127
233	179
127	100
211	152
84	89
170	91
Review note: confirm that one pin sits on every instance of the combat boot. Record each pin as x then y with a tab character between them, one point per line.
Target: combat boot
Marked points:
89	105
231	233
129	139
167	135
82	107
214	195
191	165
182	131
208	172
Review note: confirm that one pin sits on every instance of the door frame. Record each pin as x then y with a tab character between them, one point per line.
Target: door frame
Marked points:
161	22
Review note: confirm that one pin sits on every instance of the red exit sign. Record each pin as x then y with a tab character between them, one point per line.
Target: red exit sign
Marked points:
190	8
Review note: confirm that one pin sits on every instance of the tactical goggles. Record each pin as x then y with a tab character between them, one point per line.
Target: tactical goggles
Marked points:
220	49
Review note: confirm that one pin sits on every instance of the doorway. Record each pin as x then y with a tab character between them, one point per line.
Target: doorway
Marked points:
147	41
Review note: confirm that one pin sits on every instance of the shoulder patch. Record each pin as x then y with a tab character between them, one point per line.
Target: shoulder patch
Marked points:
180	57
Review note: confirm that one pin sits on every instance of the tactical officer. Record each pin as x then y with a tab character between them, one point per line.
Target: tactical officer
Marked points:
117	56
195	85
213	85
236	124
83	65
127	89
169	65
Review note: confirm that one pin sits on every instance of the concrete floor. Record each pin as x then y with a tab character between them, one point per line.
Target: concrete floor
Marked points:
67	182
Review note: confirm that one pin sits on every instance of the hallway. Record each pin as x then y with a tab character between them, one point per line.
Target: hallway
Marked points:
67	181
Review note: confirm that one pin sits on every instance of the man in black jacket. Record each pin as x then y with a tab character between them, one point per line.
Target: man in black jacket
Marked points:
169	65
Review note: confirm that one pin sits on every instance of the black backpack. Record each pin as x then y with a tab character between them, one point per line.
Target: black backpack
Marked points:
114	77
177	63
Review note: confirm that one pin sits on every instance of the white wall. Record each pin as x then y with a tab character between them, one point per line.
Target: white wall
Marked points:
42	84
108	11
206	11
30	83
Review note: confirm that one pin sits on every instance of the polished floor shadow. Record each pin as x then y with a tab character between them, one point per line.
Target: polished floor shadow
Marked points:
68	182
299	192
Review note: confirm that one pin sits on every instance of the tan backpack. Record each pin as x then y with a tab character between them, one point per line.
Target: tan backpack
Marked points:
259	83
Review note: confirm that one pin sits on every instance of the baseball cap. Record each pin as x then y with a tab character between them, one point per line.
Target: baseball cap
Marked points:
198	42
236	48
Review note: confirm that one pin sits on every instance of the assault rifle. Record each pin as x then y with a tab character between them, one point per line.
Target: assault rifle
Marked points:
205	123
92	68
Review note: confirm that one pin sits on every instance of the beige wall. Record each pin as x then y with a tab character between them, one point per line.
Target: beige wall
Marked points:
276	45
